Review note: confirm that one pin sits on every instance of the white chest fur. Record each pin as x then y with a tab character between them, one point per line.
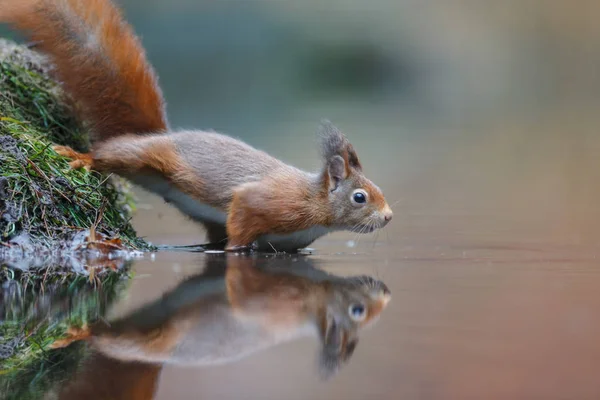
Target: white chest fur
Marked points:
293	241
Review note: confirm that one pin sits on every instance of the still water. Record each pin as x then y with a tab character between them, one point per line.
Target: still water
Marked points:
490	261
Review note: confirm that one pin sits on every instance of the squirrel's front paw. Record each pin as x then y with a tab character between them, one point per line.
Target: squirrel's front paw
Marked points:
241	248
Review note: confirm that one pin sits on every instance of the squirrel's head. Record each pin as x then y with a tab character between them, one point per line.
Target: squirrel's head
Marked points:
357	204
353	304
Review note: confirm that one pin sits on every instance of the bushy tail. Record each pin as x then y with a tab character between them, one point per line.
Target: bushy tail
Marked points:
99	62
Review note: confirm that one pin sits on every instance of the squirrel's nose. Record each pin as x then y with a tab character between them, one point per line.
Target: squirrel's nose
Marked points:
387	214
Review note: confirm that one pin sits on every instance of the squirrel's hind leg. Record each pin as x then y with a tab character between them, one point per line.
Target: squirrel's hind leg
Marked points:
79	160
73	335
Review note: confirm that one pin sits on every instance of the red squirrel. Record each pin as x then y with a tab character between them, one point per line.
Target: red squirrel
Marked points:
243	196
250	306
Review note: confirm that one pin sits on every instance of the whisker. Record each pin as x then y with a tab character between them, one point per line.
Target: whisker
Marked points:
369	224
363	226
354	230
375	240
359	234
396	202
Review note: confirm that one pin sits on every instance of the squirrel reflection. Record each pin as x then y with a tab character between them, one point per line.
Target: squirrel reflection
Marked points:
236	307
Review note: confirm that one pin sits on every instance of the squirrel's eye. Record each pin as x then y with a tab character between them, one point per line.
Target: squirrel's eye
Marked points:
357	312
359	196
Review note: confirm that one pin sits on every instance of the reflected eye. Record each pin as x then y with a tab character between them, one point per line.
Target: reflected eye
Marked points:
357	312
359	196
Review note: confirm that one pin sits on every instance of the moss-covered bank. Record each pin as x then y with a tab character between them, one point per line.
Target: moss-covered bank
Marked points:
41	197
40	194
50	218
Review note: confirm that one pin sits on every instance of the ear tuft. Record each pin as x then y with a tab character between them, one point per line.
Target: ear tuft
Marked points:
334	143
337	348
330	357
329	364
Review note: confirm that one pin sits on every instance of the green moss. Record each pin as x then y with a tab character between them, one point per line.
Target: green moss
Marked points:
39	193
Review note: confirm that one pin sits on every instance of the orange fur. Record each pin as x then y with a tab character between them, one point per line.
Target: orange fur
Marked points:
98	59
131	155
102	377
122	156
158	340
375	196
260	209
290	297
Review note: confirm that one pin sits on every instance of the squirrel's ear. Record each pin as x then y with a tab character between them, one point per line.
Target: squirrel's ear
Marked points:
335	143
337	348
329	358
336	170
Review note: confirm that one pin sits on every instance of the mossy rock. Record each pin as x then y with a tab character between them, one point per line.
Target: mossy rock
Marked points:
40	195
44	203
